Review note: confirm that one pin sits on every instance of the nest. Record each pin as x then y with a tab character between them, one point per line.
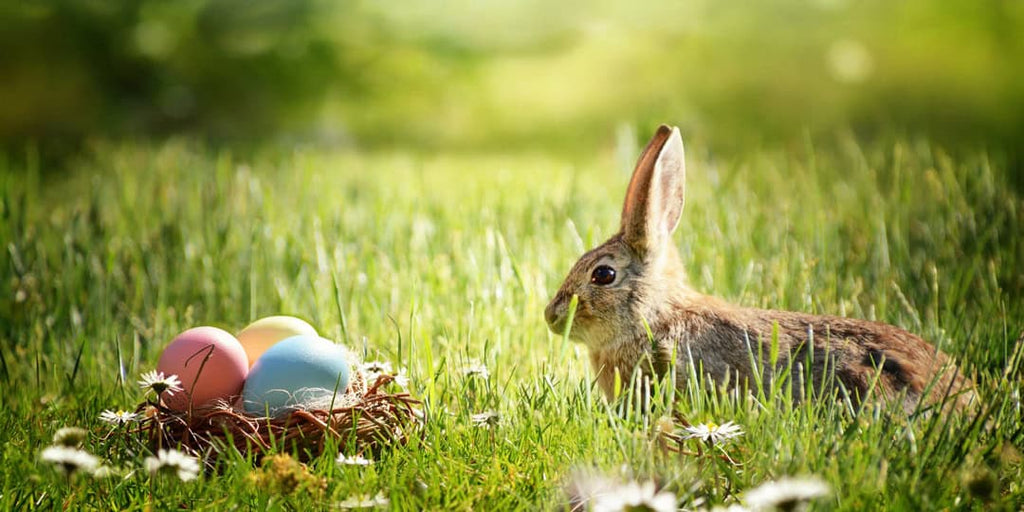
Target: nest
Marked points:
364	419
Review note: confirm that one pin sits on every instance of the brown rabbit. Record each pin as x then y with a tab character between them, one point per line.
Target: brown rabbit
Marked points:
637	276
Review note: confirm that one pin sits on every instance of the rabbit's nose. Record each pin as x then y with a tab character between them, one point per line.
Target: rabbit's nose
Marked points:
551	314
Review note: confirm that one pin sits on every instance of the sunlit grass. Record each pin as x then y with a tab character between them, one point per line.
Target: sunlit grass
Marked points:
436	263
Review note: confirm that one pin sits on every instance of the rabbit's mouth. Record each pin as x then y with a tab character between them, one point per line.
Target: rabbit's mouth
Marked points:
556	321
568	312
557	318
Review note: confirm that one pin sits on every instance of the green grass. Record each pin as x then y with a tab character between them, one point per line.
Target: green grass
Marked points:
441	260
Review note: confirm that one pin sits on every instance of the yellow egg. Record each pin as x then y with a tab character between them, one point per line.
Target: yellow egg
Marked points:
265	332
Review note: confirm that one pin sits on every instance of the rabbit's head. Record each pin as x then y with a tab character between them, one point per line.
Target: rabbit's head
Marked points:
637	272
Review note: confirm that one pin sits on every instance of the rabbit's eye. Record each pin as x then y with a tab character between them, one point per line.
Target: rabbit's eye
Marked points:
603	275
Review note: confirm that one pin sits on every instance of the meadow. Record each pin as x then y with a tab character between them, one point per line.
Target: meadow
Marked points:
438	262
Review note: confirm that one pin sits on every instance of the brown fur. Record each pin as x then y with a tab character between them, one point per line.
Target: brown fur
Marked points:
714	335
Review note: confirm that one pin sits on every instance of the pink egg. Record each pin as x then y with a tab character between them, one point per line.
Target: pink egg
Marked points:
210	363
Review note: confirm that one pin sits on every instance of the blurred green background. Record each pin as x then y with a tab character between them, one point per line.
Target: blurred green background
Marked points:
483	75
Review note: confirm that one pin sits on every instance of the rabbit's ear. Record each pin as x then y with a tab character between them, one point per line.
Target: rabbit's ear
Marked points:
654	200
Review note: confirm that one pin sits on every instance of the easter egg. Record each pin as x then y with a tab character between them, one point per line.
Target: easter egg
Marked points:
210	363
298	372
260	335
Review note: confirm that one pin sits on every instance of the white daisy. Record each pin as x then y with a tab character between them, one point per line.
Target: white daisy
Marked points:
173	462
786	493
70	460
374	369
363	501
633	496
476	369
106	472
71	437
486	419
355	460
402	379
585	487
732	507
118	418
159	383
712	433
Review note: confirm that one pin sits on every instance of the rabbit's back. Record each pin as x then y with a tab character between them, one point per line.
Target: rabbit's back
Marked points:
858	354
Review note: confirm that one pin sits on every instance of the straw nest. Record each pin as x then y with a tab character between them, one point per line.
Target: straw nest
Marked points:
364	419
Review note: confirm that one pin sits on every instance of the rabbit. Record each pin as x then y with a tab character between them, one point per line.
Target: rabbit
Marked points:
637	276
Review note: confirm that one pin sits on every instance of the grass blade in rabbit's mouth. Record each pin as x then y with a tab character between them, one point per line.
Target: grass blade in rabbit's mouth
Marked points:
559	320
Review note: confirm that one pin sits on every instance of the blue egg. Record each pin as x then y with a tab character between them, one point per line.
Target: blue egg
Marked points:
300	372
